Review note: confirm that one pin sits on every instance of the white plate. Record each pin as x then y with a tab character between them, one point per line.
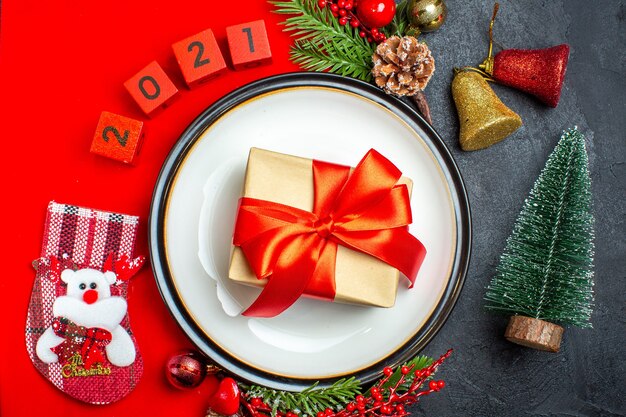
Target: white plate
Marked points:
321	117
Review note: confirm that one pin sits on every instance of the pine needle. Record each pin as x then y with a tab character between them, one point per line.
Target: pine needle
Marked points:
400	22
331	57
322	44
418	362
311	400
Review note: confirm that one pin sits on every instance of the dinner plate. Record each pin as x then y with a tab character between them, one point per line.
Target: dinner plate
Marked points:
319	116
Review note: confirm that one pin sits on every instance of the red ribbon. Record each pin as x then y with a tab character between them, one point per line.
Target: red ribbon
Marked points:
366	211
88	342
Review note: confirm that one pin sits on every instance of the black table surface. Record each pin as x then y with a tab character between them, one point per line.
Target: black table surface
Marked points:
488	376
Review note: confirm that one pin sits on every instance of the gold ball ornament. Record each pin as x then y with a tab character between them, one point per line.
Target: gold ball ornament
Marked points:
426	15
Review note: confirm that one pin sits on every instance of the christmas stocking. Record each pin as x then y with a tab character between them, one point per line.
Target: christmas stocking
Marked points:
77	332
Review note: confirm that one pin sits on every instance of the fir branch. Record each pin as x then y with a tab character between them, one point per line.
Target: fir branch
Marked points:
545	271
319	26
331	57
309	401
322	44
418	362
400	22
343	399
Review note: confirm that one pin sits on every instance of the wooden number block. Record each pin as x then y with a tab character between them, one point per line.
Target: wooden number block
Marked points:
199	58
117	137
151	88
248	44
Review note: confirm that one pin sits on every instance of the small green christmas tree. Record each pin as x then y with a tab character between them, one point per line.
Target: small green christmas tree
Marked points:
545	273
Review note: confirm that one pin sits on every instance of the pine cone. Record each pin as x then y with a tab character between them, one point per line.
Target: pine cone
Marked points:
402	66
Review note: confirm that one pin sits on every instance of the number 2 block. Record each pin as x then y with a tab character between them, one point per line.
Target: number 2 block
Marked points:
199	58
151	88
248	44
117	137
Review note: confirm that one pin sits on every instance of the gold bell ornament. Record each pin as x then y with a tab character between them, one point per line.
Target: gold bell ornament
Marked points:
483	118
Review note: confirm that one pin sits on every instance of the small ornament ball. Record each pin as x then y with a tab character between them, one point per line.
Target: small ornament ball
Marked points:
427	15
185	370
376	13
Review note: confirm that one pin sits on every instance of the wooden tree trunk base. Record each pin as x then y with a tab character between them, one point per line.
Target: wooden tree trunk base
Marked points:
534	333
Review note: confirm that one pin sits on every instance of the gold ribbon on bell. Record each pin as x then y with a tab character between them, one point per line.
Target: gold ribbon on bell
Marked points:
483	118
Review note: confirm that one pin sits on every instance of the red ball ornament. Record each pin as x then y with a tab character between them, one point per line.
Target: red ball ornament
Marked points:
185	370
376	13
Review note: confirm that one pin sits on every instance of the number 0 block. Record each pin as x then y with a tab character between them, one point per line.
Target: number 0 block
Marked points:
199	58
117	137
151	88
248	44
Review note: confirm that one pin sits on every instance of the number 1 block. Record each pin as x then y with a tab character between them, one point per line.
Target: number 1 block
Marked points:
117	137
151	88
199	58
248	44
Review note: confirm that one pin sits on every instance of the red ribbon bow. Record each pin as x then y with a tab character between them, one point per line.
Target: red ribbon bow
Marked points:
88	342
366	211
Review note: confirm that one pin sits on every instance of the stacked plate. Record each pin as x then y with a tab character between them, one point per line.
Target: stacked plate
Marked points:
319	116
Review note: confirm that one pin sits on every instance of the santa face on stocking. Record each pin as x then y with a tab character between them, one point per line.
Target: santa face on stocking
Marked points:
87	321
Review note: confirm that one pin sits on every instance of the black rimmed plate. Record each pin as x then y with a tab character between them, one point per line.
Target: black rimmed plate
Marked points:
318	116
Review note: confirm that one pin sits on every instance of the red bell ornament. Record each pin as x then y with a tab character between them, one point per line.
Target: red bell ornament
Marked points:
539	72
